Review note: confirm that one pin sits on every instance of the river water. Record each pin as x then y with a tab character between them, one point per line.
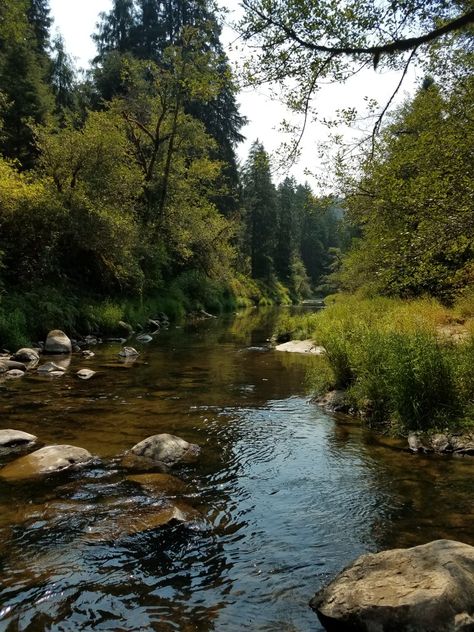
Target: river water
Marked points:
286	495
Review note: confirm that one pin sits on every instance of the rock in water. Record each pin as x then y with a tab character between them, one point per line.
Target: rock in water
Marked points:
26	355
144	338
14	374
57	343
85	374
128	352
160	484
10	438
427	588
48	460
51	367
166	449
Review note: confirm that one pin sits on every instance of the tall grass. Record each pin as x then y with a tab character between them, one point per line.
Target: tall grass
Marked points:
390	357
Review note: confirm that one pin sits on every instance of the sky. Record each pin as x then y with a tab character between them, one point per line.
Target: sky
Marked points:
76	20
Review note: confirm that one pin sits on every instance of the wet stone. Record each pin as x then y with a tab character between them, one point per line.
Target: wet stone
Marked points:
47	460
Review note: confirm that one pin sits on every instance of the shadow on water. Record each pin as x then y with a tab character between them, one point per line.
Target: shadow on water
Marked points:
283	497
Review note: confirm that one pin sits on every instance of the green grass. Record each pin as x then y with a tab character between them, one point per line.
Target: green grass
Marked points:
392	360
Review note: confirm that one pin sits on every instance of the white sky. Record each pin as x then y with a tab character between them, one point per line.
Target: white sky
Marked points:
76	20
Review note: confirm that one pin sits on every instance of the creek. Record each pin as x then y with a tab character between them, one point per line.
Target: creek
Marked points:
287	495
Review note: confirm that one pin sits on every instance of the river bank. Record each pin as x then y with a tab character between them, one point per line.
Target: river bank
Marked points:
401	366
27	316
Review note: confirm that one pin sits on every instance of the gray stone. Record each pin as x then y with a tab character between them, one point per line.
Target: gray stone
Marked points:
427	588
8	365
48	460
57	343
128	352
50	367
13	374
26	355
166	449
88	354
144	338
10	438
85	374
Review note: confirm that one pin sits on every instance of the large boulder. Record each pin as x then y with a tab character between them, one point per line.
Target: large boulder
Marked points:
163	450
427	588
48	460
57	343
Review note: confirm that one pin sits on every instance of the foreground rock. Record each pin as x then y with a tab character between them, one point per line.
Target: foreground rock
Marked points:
301	346
57	343
48	460
51	367
427	588
162	450
442	443
10	438
11	365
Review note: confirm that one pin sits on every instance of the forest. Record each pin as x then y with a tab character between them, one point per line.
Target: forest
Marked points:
120	190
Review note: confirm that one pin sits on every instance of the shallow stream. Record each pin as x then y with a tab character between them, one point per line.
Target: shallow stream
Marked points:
286	495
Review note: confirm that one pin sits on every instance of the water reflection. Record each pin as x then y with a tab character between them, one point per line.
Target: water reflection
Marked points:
286	496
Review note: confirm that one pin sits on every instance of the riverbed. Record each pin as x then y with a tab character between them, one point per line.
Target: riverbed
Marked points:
285	494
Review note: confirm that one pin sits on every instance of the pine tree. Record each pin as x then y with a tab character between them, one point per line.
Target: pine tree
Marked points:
259	199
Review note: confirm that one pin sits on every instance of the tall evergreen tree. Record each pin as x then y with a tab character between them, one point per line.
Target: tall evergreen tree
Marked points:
62	78
259	199
23	77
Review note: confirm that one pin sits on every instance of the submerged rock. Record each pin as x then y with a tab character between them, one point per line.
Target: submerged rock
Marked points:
159	483
10	438
427	588
88	354
48	460
138	519
164	449
57	343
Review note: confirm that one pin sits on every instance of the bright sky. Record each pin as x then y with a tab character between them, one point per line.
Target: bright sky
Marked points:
76	21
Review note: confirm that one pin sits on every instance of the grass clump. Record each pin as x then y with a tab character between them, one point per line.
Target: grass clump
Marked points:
390	356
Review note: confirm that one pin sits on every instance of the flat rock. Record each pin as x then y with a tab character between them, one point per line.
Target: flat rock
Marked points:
85	374
427	588
159	483
166	449
10	438
26	355
48	460
57	343
301	346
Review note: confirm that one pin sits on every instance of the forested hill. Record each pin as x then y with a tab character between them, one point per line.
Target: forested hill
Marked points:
125	183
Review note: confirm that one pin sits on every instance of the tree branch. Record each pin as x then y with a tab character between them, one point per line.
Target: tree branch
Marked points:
396	46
